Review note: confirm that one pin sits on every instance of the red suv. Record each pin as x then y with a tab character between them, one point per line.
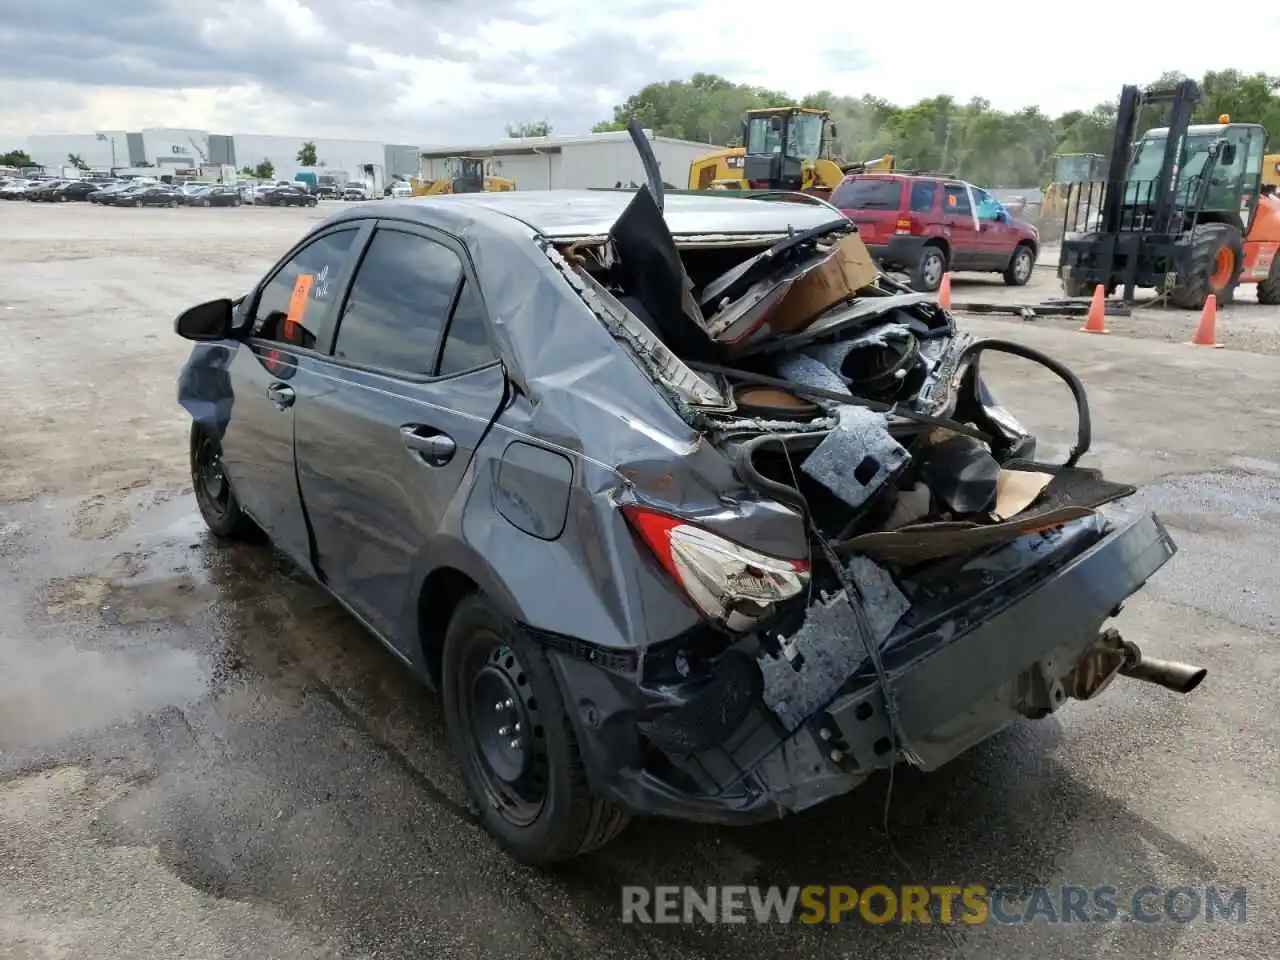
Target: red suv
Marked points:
926	225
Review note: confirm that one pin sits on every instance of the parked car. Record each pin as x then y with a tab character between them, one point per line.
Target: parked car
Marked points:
147	195
215	196
502	431
76	190
928	225
287	196
15	189
354	192
111	189
42	191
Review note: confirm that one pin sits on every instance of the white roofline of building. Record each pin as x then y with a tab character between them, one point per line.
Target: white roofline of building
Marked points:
549	144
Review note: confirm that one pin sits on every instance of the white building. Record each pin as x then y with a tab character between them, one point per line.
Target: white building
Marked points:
595	160
176	147
534	163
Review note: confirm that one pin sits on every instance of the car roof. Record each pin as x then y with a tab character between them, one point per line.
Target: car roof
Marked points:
585	213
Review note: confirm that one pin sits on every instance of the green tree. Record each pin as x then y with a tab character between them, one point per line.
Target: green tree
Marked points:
16	158
265	170
529	128
307	155
991	147
75	160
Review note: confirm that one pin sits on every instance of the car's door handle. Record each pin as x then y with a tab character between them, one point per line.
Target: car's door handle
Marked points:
281	395
432	446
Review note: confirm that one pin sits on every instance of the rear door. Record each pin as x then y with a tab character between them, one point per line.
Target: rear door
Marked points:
960	226
872	203
414	384
279	371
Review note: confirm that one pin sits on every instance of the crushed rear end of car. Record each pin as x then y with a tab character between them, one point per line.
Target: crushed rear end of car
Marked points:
892	576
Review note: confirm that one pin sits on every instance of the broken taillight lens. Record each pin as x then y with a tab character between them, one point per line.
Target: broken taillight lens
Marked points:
724	580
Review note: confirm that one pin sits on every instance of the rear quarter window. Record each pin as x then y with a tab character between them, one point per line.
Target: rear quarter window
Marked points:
868	194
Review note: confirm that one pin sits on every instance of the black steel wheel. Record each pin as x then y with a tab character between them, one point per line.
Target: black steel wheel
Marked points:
218	505
510	731
505	739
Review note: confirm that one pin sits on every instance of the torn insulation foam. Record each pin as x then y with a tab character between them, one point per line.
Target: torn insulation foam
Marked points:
809	372
856	458
828	648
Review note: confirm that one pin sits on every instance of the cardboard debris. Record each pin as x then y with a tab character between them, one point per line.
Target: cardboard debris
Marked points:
847	270
1016	490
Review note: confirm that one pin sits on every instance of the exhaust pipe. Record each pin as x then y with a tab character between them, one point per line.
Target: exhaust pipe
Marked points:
1178	677
1113	656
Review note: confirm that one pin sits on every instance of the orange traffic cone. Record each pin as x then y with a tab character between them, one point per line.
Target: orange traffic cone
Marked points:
1096	319
1206	333
944	292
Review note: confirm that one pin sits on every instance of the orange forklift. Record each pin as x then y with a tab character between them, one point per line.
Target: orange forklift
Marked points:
1182	210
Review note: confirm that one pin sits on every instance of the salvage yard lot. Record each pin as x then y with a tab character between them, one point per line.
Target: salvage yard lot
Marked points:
201	756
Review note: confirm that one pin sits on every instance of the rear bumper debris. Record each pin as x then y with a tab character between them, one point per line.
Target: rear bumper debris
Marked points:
1020	647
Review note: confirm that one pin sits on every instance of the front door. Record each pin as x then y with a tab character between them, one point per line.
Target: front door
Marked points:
274	372
960	226
381	455
996	236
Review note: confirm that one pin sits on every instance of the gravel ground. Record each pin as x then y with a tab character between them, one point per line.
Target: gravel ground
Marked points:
201	756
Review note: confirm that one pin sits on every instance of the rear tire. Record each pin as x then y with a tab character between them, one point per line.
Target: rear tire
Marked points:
217	502
1021	265
928	273
1269	289
533	798
1217	257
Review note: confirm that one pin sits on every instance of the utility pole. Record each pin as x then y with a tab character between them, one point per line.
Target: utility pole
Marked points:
103	138
946	144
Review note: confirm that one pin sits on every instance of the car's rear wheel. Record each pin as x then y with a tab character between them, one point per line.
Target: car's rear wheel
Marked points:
509	729
217	502
1021	264
928	273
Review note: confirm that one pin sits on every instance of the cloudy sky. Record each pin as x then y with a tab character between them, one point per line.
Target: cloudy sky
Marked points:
435	71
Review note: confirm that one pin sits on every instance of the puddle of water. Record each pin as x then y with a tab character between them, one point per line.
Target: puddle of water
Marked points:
52	692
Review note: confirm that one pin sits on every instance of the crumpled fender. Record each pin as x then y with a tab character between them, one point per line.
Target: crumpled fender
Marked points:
204	385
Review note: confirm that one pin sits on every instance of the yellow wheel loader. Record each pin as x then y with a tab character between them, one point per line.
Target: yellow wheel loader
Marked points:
462	175
784	148
1270	172
1068	168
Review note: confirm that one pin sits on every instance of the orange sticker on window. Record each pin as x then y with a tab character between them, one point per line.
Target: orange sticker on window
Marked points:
951	202
298	301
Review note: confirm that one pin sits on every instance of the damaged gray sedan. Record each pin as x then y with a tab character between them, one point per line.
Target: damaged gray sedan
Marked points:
684	508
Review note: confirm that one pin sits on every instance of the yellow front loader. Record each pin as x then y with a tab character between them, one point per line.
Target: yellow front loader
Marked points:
462	175
1068	169
784	148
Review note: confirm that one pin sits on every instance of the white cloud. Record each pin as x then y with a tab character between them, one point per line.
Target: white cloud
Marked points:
434	71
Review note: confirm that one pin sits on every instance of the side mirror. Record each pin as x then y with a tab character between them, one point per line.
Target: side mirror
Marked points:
834	132
206	321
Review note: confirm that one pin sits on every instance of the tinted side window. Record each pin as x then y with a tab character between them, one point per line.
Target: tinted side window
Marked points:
293	303
957	201
467	344
867	194
922	194
399	304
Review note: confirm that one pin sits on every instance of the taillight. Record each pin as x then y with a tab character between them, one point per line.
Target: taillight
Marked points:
903	227
724	580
